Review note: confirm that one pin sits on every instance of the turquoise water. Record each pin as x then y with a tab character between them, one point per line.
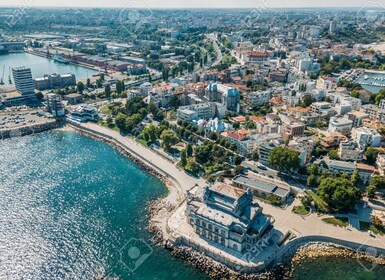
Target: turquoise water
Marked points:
69	205
327	268
41	65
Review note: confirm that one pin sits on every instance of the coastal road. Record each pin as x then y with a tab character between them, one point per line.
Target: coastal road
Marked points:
217	49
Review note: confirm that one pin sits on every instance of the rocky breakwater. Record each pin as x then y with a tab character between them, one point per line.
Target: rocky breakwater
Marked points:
218	271
28	130
316	250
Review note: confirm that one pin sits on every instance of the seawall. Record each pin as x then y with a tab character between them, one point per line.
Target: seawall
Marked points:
28	130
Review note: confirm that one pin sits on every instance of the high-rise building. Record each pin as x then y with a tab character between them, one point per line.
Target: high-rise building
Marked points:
23	81
54	104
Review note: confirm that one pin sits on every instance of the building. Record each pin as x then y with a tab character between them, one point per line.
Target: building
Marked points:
197	111
294	130
337	166
85	113
254	57
259	98
73	98
54	105
364	137
349	150
23	81
341	125
322	108
380	163
55	81
264	152
226	95
226	216
263	186
326	83
374	112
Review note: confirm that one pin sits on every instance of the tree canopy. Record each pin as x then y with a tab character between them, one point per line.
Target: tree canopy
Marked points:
284	159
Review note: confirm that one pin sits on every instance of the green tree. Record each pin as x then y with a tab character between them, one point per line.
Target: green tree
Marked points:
284	159
119	86
39	95
80	87
183	158
169	139
370	191
308	100
213	136
378	182
120	121
356	178
339	193
101	77
99	83
107	91
255	155
371	155
192	165
88	83
189	150
333	154
314	170
312	181
150	133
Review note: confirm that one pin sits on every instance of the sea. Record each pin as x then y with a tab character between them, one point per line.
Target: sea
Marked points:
72	207
40	66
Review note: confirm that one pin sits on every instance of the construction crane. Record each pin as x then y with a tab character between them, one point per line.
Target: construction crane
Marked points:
2	76
9	76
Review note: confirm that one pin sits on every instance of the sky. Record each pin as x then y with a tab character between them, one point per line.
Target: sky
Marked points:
194	3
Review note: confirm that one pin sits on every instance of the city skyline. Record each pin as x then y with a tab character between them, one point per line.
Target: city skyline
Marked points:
197	4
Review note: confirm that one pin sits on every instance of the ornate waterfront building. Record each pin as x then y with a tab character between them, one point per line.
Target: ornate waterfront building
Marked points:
227	216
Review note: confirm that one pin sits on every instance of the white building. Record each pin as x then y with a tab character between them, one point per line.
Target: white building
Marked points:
364	137
380	163
349	150
23	81
54	105
197	111
226	216
341	125
259	98
85	113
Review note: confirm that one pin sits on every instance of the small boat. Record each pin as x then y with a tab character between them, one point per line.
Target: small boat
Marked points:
59	59
366	77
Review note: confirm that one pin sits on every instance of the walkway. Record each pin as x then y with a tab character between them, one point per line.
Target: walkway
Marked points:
152	159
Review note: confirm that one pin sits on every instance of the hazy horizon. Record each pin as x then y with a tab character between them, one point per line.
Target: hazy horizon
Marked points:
175	4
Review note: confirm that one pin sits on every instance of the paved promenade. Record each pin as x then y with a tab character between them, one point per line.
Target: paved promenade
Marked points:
154	160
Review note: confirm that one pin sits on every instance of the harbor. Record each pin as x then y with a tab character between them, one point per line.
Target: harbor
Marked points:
372	81
41	66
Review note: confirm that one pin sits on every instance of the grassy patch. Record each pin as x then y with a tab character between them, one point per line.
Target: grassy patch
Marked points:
365	226
113	126
141	141
337	221
320	203
105	110
301	210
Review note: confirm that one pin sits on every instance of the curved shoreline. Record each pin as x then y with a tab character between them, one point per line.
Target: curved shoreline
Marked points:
292	253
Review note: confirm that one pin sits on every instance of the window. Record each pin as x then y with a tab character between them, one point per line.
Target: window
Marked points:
216	230
223	232
203	224
235	247
197	222
210	227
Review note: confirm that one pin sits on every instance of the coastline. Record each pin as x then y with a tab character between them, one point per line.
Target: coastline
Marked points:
160	210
